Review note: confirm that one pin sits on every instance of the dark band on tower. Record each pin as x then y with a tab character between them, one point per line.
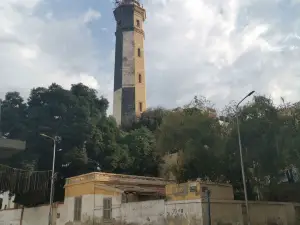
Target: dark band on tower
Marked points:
129	78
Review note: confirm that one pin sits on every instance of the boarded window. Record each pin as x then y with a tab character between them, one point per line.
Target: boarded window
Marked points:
77	208
107	209
140	78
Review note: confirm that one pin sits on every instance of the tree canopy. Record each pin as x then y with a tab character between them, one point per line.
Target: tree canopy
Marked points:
89	140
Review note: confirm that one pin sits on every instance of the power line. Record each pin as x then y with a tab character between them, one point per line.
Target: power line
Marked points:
31	171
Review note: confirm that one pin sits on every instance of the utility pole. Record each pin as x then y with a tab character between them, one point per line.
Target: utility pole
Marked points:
0	118
241	156
52	179
208	207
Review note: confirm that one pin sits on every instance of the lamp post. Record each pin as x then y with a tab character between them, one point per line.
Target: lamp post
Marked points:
241	155
52	178
96	163
0	118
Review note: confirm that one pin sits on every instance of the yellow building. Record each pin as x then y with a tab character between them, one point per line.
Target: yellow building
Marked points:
98	197
103	198
197	190
130	188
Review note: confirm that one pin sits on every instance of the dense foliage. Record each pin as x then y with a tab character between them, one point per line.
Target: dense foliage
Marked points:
90	140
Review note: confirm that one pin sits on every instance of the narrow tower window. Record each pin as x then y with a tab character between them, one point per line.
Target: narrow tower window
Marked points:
140	78
139	52
141	106
138	23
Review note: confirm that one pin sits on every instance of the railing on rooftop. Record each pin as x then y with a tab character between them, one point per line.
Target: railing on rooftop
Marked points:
127	2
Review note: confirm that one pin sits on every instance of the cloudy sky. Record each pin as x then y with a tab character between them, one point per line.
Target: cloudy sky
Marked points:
214	48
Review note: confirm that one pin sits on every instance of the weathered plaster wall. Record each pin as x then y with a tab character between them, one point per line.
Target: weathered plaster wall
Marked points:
275	213
117	105
148	212
92	208
116	205
31	216
158	212
128	69
196	190
183	212
225	212
8	217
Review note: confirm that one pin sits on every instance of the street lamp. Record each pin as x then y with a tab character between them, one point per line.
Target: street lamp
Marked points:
241	155
52	177
98	168
0	117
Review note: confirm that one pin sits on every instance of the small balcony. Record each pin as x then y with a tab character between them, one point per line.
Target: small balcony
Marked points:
9	147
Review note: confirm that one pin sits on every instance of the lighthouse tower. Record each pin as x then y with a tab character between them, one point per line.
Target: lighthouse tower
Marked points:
129	76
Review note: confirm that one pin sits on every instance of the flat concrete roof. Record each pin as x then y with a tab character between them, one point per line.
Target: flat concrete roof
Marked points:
9	147
117	178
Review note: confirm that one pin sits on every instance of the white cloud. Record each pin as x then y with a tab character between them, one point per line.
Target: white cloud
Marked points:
37	51
91	15
221	49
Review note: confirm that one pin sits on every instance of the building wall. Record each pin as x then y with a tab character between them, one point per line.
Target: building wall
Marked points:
116	207
192	210
158	212
92	209
272	213
143	212
223	212
180	192
117	105
196	190
31	216
261	213
140	88
128	77
183	213
218	191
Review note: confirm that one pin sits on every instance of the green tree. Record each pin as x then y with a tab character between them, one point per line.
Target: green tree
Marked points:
151	119
143	159
194	132
262	147
73	116
13	116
